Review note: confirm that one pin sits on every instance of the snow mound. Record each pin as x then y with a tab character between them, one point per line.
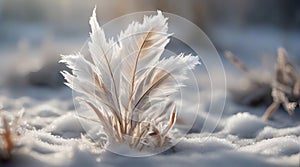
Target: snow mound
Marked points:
67	126
244	125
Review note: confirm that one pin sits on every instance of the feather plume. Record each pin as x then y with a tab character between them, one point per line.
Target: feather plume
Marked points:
126	82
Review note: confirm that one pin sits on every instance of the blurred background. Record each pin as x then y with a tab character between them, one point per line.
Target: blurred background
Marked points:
33	33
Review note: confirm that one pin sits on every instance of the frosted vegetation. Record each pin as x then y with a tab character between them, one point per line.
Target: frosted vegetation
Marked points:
128	85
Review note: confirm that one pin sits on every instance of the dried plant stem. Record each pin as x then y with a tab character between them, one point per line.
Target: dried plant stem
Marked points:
273	107
236	62
285	85
6	138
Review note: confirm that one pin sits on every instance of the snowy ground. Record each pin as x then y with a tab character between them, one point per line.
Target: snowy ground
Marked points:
241	138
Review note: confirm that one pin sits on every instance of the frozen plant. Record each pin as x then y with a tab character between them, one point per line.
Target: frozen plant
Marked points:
9	134
284	88
127	83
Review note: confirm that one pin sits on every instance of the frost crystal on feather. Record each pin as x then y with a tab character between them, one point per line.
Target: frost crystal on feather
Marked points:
126	82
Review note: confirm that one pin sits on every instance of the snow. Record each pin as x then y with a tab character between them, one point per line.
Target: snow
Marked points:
242	139
248	125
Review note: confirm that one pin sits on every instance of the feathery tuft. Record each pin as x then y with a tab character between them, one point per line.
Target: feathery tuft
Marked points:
126	82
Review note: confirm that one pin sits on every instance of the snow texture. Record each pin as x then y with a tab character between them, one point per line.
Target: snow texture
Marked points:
243	139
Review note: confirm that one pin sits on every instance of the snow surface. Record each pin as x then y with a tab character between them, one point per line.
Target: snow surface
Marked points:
242	139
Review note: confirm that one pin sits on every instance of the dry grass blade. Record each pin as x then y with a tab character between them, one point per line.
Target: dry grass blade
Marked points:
160	77
236	62
171	121
273	107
